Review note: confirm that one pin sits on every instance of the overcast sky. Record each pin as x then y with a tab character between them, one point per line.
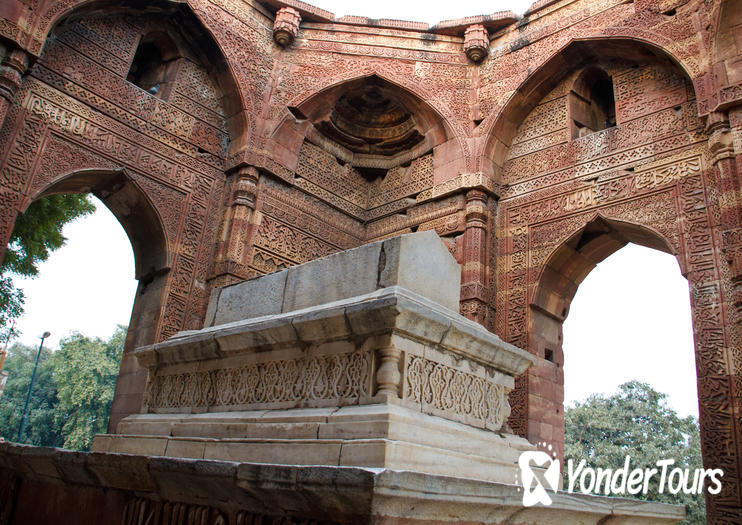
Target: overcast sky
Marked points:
427	11
629	320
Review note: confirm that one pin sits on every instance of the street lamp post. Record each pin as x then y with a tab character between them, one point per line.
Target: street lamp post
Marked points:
30	388
3	355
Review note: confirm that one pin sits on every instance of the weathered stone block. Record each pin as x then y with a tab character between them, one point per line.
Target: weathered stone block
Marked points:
253	298
419	262
340	276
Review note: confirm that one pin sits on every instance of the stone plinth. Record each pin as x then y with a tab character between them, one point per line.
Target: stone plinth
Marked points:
356	359
121	489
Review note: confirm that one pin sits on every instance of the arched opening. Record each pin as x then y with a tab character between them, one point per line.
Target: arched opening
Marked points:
95	263
164	49
144	228
94	46
591	103
596	56
631	320
131	207
71	298
154	66
371	124
559	278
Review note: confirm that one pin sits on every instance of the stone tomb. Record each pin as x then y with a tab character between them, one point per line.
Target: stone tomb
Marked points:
343	391
356	359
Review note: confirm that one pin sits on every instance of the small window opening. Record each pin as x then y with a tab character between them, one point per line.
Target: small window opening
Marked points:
549	355
155	64
592	105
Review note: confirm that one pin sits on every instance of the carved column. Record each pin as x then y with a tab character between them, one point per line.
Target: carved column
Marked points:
237	228
730	201
388	376
474	296
13	66
286	26
717	329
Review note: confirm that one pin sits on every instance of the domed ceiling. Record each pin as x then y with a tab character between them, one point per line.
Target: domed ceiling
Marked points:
371	120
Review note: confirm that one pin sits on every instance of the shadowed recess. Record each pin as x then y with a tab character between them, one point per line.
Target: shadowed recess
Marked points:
370	119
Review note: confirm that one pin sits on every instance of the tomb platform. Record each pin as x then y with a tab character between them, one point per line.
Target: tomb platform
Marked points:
356	359
347	390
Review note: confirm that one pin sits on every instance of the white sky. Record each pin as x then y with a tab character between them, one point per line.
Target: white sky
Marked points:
86	286
629	320
425	11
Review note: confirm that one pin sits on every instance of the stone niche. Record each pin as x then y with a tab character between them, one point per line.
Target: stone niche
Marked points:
356	359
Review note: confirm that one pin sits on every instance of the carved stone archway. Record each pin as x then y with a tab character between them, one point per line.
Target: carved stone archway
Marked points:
556	186
142	222
159	163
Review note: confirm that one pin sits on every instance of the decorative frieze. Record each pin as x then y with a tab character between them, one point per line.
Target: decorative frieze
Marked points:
457	394
340	378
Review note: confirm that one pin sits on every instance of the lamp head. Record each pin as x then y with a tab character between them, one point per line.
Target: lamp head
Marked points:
45	335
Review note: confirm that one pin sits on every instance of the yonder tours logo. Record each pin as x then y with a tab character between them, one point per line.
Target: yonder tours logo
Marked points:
539	471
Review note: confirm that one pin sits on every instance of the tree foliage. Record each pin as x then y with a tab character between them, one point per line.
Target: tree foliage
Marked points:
40	427
72	394
636	422
85	373
36	233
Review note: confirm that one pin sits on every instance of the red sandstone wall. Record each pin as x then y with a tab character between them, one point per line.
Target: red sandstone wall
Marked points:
231	183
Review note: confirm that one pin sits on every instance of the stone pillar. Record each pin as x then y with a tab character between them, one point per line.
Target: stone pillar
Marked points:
286	26
476	43
474	296
388	376
13	66
722	425
237	228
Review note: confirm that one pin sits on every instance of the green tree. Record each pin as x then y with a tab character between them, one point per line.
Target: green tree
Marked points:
40	427
85	371
636	422
36	234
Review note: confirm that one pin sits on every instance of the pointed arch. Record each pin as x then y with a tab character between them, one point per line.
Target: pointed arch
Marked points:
425	127
236	101
402	82
576	256
500	128
437	124
143	224
134	210
540	393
